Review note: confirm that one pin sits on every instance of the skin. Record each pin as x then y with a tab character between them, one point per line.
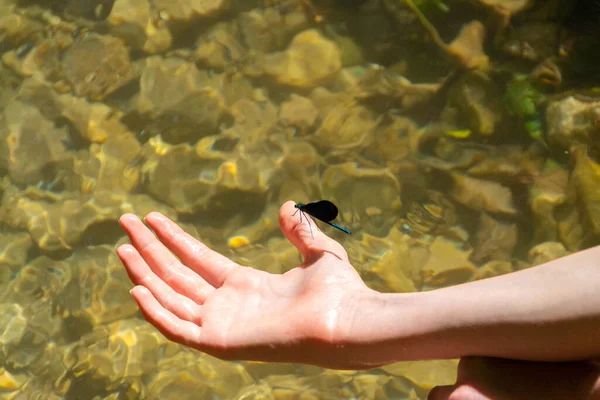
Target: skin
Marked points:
483	378
322	313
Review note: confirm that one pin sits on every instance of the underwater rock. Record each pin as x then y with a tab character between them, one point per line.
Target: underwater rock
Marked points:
185	10
177	101
11	383
396	260
58	226
480	195
3	149
545	252
378	83
288	386
507	164
345	126
95	122
447	264
507	7
310	383
492	269
571	231
35	145
299	112
200	180
475	96
238	43
42	59
448	154
16	29
236	88
27	342
119	354
97	288
267	30
91	10
14	248
197	115
374	385
48	226
585	178
9	85
495	240
133	22
387	269
295	66
254	122
112	166
546	194
165	82
344	123
425	374
32	292
255	391
351	53
351	187
468	47
532	41
97	65
547	73
573	120
13	325
40	93
219	48
299	175
192	375
10	216
37	388
430	214
392	140
96	10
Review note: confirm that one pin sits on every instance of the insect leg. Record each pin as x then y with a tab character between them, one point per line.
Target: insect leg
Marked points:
309	226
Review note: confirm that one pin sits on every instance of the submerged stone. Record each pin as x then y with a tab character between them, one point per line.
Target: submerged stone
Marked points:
296	67
97	65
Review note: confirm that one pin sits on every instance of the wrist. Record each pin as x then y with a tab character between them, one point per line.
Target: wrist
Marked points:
383	328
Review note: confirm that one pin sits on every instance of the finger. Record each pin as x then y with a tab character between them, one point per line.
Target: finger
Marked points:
167	323
162	262
140	274
299	233
210	265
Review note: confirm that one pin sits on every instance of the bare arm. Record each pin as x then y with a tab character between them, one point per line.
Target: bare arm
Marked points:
322	313
546	313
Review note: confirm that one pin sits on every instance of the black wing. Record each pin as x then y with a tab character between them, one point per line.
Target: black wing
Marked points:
323	210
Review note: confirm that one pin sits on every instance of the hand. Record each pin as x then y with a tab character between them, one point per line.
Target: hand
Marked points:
206	301
486	378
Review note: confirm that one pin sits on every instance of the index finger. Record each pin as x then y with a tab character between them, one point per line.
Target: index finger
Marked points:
207	263
162	262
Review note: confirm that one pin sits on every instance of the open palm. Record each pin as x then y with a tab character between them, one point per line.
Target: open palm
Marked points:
198	297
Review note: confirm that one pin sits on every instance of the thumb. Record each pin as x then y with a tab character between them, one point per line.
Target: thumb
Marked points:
308	239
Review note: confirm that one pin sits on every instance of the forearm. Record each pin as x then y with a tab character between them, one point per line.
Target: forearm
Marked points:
545	313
